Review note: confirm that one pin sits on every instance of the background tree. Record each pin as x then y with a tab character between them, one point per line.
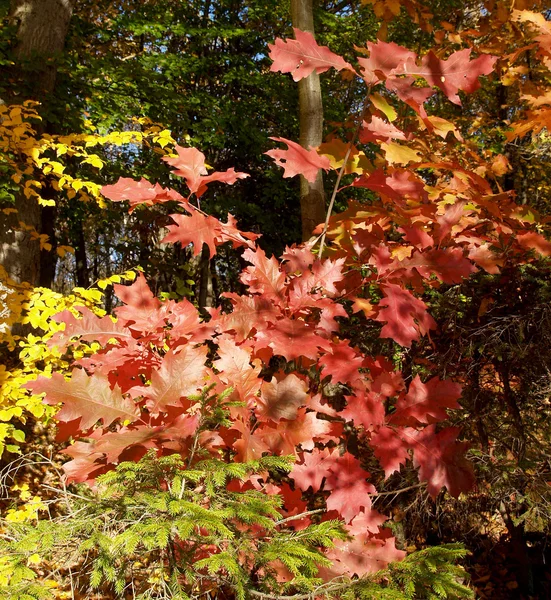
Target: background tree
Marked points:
40	30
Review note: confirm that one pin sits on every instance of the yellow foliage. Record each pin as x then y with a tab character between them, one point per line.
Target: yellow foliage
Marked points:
36	163
36	307
34	160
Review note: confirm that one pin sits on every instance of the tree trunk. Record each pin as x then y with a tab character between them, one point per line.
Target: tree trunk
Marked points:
42	27
312	196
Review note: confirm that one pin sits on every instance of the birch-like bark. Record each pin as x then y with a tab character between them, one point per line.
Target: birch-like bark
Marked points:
312	196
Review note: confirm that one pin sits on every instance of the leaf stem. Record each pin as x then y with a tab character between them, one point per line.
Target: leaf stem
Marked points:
341	172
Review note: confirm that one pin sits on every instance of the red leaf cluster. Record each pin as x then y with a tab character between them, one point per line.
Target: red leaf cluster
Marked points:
141	389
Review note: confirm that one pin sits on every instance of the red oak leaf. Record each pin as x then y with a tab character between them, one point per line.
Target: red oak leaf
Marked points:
407	90
196	229
312	470
234	365
90	398
113	444
383	59
366	522
441	460
190	165
362	555
486	259
281	399
299	161
315	403
265	278
229	232
406	317
329	310
89	328
139	192
302	56
292	338
142	310
303	431
249	312
306	289
455	73
387	383
186	325
379	130
349	488
177	436
179	375
250	446
298	258
390	448
365	409
426	402
341	363
84	466
449	264
400	184
325	274
417	236
535	241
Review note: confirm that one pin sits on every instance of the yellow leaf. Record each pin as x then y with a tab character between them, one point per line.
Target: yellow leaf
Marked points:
94	160
34	559
400	155
380	103
363	305
63	250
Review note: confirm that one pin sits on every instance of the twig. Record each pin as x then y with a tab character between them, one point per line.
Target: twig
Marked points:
66	492
400	491
341	172
295	517
323	589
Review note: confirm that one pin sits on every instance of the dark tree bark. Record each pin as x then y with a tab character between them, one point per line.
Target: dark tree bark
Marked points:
312	196
42	27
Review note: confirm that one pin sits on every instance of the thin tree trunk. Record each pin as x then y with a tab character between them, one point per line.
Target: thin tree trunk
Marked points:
205	290
83	277
312	196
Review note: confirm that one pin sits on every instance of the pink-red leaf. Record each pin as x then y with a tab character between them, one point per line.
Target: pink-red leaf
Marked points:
190	164
426	402
303	56
196	229
441	460
89	398
89	328
179	375
406	317
299	161
455	73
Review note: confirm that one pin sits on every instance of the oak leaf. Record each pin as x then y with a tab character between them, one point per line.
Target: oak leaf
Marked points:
180	374
282	399
299	161
89	398
190	164
406	317
89	328
303	56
